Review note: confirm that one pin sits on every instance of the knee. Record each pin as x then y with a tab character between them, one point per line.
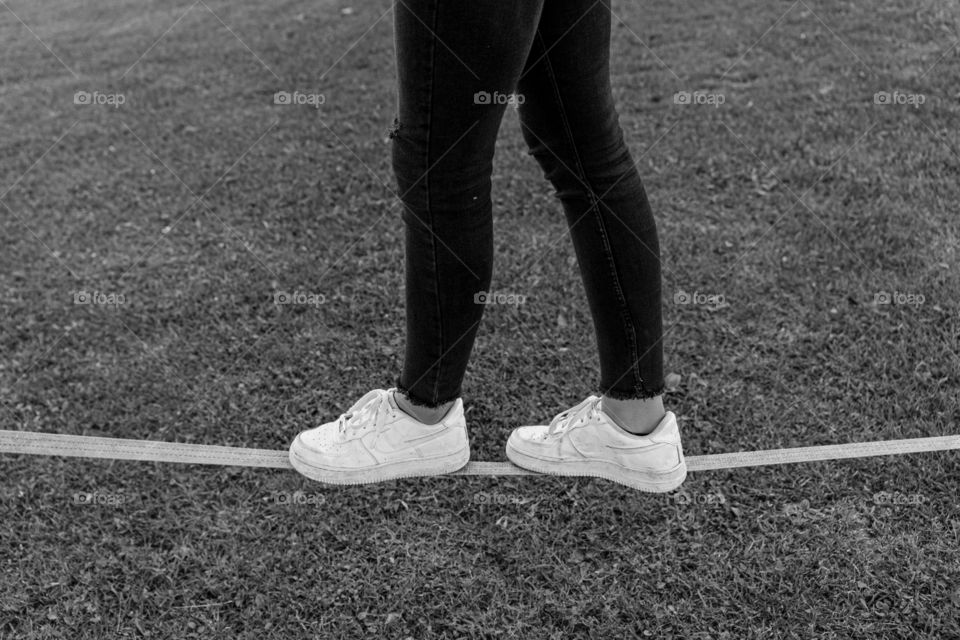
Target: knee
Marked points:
579	163
407	157
458	181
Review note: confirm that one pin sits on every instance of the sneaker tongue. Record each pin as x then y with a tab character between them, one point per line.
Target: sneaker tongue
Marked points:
365	411
393	401
572	414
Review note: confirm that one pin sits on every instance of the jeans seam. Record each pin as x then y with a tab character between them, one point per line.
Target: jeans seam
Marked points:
595	205
426	182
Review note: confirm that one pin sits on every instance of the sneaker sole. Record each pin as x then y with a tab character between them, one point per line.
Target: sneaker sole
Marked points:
389	471
644	480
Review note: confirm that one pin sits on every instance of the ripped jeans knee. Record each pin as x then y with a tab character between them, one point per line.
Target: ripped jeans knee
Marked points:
393	130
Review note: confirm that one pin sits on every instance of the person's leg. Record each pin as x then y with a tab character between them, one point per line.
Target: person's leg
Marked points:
571	125
444	140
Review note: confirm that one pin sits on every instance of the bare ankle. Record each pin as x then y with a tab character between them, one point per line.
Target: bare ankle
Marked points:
426	415
638	416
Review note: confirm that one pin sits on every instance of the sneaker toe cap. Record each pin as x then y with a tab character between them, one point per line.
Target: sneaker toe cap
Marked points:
528	434
319	439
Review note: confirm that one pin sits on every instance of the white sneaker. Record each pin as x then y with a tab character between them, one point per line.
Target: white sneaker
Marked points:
375	441
584	441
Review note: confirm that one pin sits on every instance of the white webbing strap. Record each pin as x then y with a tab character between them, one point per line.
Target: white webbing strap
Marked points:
53	444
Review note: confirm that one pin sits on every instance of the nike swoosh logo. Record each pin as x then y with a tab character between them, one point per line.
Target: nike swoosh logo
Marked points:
644	449
429	436
410	442
649	447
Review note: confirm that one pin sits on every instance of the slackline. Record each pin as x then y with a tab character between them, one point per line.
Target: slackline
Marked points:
53	444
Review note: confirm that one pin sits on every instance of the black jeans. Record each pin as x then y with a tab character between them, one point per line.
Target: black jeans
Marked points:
457	65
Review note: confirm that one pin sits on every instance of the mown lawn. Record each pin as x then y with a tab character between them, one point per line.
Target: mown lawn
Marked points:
798	203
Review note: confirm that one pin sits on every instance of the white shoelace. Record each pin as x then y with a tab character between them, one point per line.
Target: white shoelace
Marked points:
374	406
581	411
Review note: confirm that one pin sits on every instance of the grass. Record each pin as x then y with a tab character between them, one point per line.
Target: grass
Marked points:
799	200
